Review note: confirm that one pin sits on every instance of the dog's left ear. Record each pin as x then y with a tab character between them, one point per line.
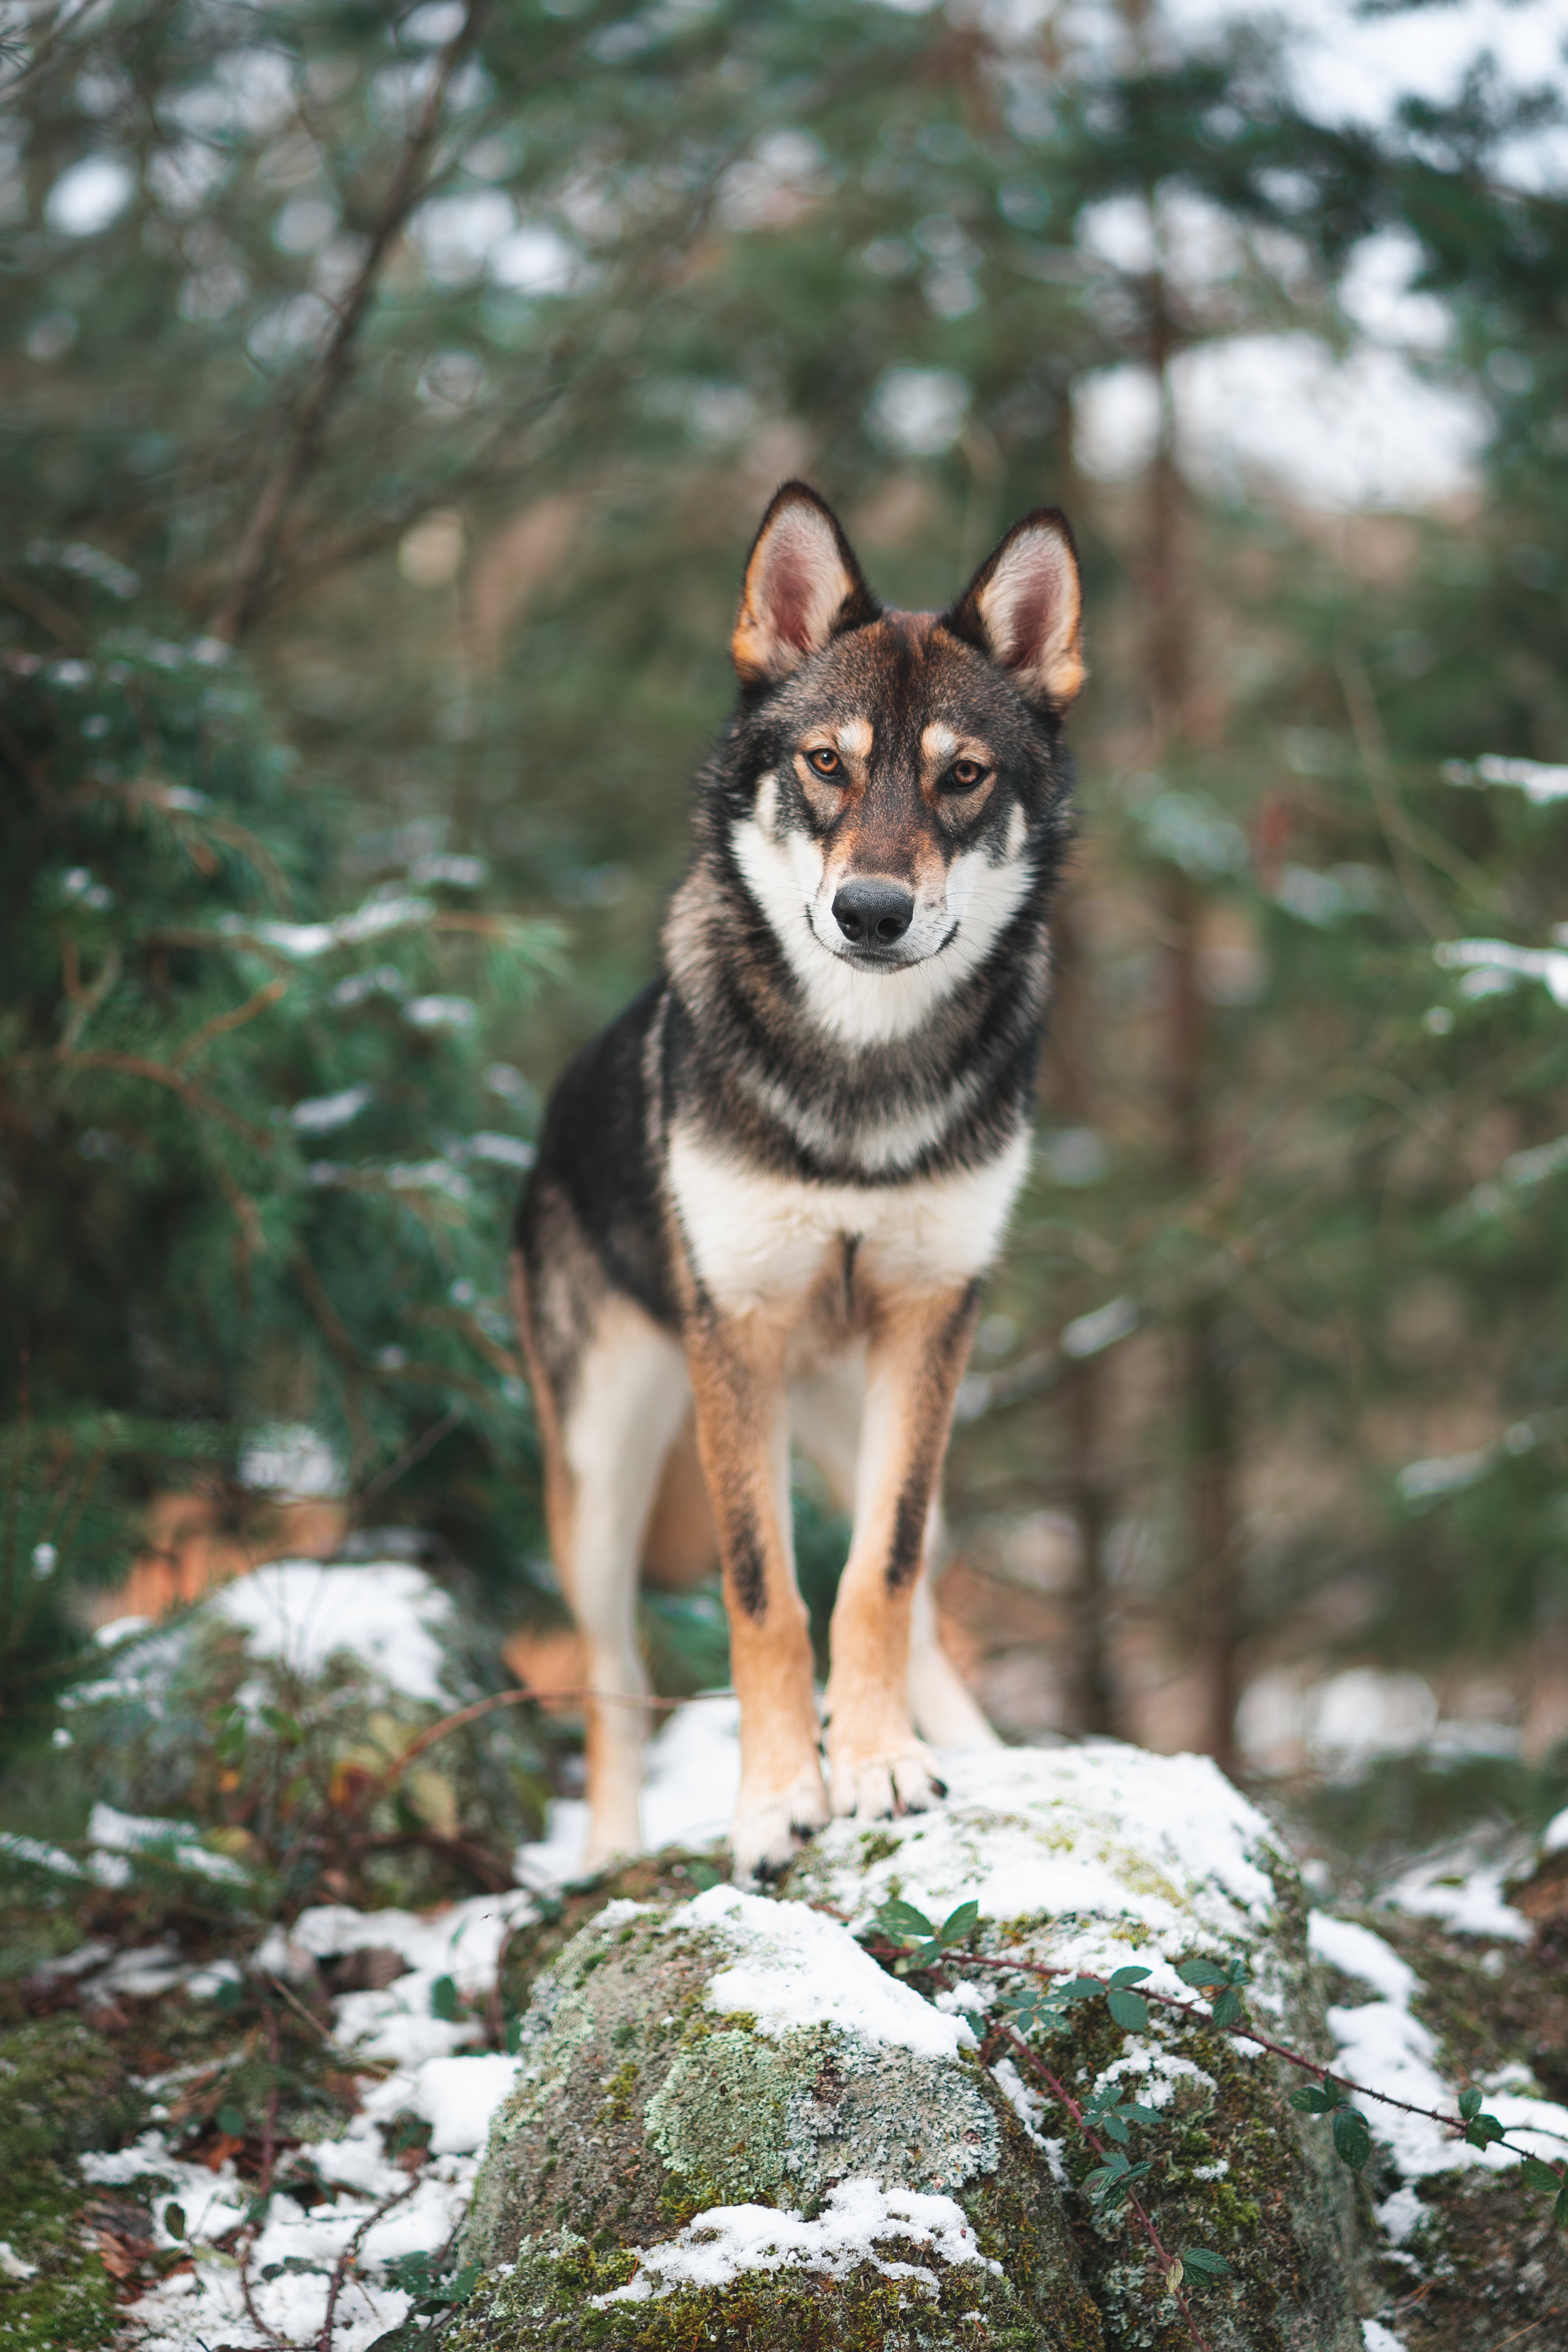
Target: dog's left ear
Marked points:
802	588
1024	609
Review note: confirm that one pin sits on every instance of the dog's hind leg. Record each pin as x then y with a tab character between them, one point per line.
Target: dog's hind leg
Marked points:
606	1430
917	1348
743	1431
943	1709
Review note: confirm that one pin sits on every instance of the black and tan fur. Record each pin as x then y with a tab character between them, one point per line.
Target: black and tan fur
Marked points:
770	1191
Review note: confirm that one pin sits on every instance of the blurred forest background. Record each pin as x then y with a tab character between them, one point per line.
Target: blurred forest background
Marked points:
389	396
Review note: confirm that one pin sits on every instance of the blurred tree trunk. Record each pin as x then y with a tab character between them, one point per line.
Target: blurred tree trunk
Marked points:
1204	1404
1087	1685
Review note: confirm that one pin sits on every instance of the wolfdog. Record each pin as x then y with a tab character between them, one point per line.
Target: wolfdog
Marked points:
768	1193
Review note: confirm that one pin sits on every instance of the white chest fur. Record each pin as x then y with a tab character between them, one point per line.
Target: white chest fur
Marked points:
757	1240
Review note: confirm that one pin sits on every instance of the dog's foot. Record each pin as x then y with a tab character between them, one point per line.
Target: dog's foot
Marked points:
873	1784
771	1825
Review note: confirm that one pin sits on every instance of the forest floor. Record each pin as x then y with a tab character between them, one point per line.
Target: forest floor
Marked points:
213	2139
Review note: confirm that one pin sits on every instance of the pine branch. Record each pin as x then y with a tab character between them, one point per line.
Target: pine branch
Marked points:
260	538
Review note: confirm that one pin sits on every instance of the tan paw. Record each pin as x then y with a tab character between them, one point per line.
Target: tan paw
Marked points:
771	1825
874	1785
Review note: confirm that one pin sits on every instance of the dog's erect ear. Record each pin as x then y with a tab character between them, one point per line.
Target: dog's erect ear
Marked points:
1024	609
803	587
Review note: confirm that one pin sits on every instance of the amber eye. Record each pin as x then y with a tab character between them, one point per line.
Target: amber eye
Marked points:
964	774
825	761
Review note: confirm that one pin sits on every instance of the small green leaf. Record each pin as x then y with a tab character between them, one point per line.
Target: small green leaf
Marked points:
288	1727
1536	2175
1128	2009
1228	2007
1080	1989
444	1999
1199	1972
1199	2262
903	1921
1137	2113
513	2034
174	2221
1560	2210
958	1924
1129	1977
1469	2104
1352	2140
231	2122
1313	2102
1114	2128
703	1875
975	2023
1481	2130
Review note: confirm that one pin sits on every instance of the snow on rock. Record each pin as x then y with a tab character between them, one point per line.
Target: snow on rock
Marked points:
749	2048
389	1615
1101	1854
795	1967
728	2240
811	2114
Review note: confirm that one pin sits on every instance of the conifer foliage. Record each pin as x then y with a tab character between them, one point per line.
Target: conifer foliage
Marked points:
258	1164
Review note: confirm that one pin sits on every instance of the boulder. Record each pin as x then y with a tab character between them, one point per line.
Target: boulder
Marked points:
734	2125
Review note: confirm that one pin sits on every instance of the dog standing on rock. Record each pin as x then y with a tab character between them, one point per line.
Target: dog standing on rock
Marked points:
768	1194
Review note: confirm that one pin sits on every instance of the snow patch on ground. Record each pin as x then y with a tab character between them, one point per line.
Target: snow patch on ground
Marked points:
1357	1952
431	2075
389	1615
1384	2048
687	1798
1465	1895
729	2240
795	1967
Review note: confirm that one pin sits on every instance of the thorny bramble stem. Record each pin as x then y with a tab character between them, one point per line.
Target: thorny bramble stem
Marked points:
1064	2097
1453	2124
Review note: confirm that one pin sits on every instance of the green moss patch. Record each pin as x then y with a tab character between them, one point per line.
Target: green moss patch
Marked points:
62	2089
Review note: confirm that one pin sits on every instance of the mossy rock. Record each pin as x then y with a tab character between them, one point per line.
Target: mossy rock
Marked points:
1102	1857
672	2169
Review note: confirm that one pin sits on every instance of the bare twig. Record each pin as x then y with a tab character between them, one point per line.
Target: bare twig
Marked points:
413	1454
345	2259
481	1707
258	541
222	1024
42	609
1398	830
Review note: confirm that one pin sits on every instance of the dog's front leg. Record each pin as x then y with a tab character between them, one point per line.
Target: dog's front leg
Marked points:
919	1345
737	1364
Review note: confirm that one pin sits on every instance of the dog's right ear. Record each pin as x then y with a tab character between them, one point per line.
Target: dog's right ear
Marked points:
802	588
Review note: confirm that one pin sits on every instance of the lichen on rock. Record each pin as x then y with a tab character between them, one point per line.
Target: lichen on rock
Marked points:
1099	1858
829	2157
733	2127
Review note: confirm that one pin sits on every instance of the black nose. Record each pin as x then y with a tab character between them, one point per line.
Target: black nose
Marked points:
873	913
